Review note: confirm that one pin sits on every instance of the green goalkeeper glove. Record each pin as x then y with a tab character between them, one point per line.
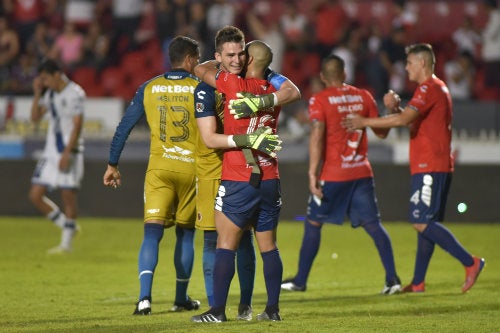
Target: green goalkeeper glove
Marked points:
262	140
247	104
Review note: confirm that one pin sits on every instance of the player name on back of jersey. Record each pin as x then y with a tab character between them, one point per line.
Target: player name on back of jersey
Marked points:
347	103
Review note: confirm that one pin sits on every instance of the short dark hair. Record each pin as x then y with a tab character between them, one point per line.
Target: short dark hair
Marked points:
228	34
180	47
49	66
422	48
332	67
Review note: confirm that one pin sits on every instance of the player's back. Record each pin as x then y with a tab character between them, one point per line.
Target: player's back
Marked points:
230	84
169	108
235	165
346	151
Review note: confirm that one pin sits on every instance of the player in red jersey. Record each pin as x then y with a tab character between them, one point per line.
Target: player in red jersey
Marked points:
429	116
249	192
340	174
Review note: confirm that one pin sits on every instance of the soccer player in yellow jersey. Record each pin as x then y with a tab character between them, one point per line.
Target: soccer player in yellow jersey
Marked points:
169	187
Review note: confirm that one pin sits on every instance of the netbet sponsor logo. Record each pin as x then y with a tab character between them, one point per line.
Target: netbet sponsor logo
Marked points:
175	89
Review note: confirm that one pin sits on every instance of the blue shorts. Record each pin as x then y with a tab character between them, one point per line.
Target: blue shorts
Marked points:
429	192
244	204
354	199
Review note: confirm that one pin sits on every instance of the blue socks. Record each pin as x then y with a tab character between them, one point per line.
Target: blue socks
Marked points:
425	249
308	251
383	243
246	267
148	257
273	274
183	261
209	246
440	235
224	269
436	233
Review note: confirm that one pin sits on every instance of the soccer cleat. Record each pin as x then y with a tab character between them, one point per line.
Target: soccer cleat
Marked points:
289	284
190	304
392	287
209	317
59	250
472	272
143	307
244	312
265	316
414	288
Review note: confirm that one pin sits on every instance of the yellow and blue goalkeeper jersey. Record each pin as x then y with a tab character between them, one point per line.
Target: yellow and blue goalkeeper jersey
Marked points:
208	102
167	101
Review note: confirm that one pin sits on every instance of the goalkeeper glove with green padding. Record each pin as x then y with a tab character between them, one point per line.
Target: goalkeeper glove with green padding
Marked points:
247	104
262	140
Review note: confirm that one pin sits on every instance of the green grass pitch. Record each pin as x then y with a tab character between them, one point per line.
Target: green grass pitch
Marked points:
94	288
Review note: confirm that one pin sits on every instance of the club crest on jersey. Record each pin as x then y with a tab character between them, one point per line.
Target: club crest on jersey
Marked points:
199	107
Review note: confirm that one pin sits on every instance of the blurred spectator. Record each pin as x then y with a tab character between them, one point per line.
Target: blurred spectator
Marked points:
219	14
406	17
194	24
393	59
127	16
171	16
348	50
68	47
459	76
295	27
330	21
374	39
491	44
96	47
466	38
269	32
80	12
25	15
23	73
9	51
41	42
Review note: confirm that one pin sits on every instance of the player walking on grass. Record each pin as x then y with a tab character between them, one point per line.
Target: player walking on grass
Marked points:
61	165
340	175
429	116
169	189
249	191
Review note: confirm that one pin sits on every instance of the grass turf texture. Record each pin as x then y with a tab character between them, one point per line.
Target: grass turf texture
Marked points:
94	289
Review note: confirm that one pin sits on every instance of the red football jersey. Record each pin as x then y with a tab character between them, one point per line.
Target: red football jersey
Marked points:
430	133
234	164
345	154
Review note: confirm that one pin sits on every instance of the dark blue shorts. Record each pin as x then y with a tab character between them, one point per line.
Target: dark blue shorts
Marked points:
354	199
244	204
428	196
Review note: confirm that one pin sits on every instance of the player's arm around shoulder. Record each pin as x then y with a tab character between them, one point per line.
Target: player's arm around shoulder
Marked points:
287	91
207	72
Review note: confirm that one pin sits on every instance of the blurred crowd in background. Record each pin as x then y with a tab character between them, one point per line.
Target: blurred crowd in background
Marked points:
110	47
